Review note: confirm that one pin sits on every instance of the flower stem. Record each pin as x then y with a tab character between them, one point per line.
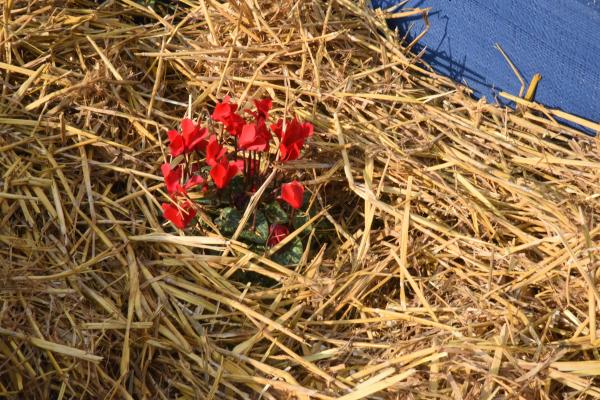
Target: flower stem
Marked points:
253	168
258	164
247	164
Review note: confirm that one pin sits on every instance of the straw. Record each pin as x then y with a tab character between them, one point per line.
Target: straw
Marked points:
451	250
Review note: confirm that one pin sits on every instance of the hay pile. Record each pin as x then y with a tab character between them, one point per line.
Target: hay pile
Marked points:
461	260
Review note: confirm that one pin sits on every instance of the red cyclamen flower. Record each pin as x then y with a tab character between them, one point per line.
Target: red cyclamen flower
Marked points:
225	112
195	180
214	151
263	106
292	139
192	138
223	172
248	166
173	178
254	137
224	109
180	215
293	194
277	233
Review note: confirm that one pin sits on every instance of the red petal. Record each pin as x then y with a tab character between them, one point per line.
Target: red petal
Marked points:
308	129
224	110
214	151
223	172
187	127
218	174
234	124
247	136
192	135
178	217
293	132
232	170
172	134
192	182
176	147
198	142
190	212
171	213
293	139
239	164
254	137
165	169
263	107
289	153
172	177
277	128
293	194
277	233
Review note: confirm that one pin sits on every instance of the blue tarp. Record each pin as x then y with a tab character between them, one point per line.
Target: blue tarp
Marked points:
560	39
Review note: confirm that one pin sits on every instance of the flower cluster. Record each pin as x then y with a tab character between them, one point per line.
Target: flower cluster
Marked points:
233	146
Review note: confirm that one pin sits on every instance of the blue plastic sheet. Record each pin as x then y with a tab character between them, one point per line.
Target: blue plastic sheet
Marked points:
560	39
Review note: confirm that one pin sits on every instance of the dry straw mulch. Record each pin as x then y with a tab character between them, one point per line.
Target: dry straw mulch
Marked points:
462	250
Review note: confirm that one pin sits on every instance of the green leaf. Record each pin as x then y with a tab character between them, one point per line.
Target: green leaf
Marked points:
291	254
206	201
256	231
236	185
259	248
253	278
228	220
275	214
300	219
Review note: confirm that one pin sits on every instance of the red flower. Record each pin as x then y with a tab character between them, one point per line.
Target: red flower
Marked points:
194	181
176	145
225	112
263	107
277	233
192	138
214	151
254	137
223	172
293	194
249	163
180	215
172	177
292	139
277	128
234	124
